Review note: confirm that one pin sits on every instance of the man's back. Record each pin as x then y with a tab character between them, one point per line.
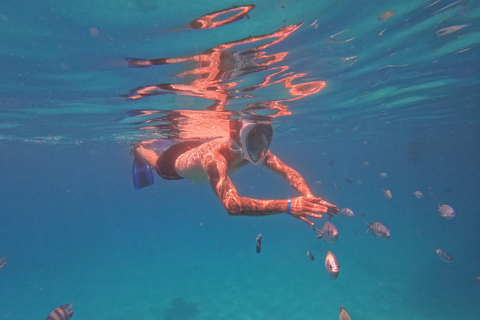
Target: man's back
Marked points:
190	164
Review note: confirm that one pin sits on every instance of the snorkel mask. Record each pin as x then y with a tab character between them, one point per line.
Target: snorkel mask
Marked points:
255	139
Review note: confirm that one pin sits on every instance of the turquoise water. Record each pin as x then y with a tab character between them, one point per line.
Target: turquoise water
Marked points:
401	94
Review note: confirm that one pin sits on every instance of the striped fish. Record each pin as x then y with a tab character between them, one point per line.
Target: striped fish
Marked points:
446	211
444	255
332	266
61	313
385	15
328	232
379	230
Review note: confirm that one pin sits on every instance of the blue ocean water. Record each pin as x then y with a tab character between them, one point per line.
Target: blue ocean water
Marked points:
341	87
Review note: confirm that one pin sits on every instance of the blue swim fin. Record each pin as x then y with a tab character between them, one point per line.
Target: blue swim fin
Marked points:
141	173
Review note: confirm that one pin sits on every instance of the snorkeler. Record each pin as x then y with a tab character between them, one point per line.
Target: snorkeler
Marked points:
213	160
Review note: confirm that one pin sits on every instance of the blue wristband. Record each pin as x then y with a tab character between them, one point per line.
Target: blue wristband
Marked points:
289	207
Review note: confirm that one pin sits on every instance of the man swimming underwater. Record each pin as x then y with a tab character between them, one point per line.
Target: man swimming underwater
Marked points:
214	160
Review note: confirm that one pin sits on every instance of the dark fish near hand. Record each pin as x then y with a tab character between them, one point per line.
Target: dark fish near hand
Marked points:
259	242
328	232
379	230
343	314
444	255
347	212
332	266
336	185
61	313
446	211
310	255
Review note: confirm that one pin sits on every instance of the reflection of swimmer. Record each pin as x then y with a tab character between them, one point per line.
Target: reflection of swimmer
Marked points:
214	160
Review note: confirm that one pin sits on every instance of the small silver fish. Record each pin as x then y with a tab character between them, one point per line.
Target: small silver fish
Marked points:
64	312
385	15
445	31
418	194
310	255
446	211
347	212
332	266
383	175
478	279
328	232
379	230
387	193
343	314
444	255
259	242
365	164
2	262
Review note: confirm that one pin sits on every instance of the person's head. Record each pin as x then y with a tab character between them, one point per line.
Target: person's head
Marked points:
252	139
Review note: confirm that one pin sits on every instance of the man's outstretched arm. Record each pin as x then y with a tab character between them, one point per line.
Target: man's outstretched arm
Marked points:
298	183
216	169
293	177
301	207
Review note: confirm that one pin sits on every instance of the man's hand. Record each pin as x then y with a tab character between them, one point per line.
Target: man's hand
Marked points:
311	207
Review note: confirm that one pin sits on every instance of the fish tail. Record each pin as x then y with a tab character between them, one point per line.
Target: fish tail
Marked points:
319	235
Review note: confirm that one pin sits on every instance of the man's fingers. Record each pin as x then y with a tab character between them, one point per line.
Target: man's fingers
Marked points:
315	215
306	220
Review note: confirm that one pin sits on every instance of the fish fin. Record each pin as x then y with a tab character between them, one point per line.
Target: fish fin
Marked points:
319	235
369	228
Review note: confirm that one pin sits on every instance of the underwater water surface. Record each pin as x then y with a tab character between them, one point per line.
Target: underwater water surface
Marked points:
363	97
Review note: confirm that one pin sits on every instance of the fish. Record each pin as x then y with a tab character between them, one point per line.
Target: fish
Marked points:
387	193
445	31
418	194
365	164
64	312
383	175
353	59
444	255
379	230
259	242
343	314
349	180
310	255
336	185
385	15
347	212
478	279
332	39
328	232
446	211
332	265
2	262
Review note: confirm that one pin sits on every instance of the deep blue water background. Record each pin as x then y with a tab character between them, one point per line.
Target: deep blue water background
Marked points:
73	228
